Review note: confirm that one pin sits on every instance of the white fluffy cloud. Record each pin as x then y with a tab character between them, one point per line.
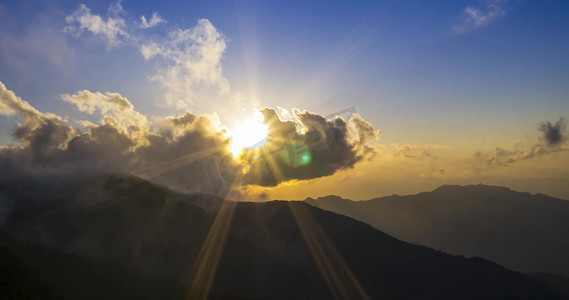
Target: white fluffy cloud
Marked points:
113	29
109	104
12	104
188	58
476	17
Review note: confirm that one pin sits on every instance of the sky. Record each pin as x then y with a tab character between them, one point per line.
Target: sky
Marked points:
457	92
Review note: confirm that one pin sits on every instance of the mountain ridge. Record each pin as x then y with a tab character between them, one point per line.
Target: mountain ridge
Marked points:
265	245
474	220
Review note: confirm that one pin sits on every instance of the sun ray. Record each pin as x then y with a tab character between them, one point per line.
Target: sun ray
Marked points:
178	162
202	273
338	276
351	47
246	13
204	269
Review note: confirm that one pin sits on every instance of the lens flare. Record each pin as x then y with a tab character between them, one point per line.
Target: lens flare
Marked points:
296	154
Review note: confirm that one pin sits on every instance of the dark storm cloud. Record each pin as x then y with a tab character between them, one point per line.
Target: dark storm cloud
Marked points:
553	134
309	147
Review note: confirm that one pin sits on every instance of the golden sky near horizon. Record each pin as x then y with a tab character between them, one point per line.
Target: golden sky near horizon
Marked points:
91	87
391	174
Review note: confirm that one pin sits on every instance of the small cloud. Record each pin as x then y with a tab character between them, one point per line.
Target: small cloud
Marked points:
553	134
435	172
87	101
112	29
415	152
109	104
474	17
116	8
154	21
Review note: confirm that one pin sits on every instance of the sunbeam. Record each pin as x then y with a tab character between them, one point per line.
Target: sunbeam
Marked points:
340	280
178	162
203	271
351	47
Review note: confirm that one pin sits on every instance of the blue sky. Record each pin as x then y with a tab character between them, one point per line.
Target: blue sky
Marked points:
474	75
408	68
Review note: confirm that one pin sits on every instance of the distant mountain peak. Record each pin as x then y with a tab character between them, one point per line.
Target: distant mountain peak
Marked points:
517	229
474	187
331	197
326	198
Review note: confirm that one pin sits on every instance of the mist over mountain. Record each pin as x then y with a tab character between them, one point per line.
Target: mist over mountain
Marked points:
520	231
274	250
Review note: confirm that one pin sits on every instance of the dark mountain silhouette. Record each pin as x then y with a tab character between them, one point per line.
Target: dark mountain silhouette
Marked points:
124	219
521	231
37	272
556	281
20	282
30	271
274	250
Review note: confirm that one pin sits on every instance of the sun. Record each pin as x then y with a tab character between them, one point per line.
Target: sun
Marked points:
247	134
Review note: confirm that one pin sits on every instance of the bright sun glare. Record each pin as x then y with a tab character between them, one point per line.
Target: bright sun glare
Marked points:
247	133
